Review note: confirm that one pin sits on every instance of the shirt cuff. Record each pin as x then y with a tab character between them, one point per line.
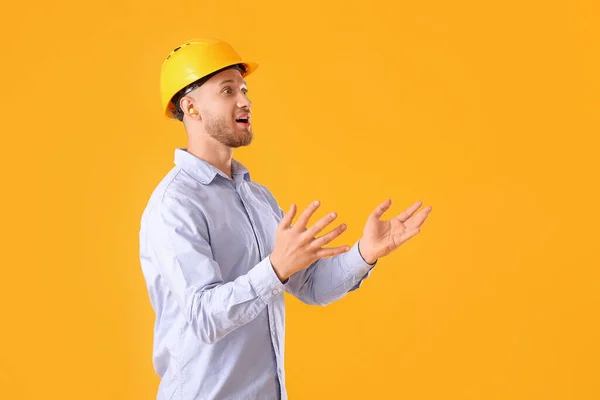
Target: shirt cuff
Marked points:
354	264
264	280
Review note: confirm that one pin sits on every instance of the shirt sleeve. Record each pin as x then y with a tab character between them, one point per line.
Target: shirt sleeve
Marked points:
330	279
178	240
327	279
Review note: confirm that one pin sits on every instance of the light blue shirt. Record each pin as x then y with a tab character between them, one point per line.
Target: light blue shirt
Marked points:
205	241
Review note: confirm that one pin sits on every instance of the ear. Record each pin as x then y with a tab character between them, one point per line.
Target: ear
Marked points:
187	106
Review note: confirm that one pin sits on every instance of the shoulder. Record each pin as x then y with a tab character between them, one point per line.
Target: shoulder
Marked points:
176	193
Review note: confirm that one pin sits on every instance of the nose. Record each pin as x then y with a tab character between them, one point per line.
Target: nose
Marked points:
244	101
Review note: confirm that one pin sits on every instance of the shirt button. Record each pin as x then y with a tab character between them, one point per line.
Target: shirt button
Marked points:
275	291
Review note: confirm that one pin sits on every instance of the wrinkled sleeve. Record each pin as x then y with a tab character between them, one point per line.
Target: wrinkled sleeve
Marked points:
179	242
330	279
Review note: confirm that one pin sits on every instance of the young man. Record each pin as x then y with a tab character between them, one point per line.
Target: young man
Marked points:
217	252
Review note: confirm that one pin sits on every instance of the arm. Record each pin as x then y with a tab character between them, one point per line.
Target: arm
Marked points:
178	240
329	279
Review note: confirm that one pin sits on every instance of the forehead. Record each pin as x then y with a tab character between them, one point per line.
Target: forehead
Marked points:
231	75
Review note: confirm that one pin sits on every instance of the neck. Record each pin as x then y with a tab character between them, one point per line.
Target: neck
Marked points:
210	150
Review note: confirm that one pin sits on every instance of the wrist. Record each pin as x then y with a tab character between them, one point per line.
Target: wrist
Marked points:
279	271
366	253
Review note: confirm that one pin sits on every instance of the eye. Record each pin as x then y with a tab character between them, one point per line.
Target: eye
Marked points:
245	91
227	90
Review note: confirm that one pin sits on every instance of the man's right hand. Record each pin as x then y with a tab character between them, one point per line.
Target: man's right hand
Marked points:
297	247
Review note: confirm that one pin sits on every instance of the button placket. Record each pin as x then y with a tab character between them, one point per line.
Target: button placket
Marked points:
240	189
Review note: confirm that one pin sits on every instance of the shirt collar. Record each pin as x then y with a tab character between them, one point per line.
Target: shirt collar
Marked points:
203	171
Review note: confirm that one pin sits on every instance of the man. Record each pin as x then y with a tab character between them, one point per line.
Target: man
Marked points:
217	252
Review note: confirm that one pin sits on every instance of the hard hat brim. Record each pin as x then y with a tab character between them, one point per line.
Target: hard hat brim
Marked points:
251	66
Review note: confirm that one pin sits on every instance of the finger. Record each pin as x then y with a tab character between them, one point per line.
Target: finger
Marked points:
406	214
328	237
306	214
381	209
332	251
406	235
320	225
287	219
418	219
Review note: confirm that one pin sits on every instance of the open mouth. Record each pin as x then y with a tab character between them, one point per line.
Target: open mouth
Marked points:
244	121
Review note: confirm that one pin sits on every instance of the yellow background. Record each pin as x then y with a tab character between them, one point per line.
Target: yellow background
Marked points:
487	112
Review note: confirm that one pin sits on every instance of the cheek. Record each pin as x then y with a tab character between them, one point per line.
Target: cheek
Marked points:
219	120
210	115
220	112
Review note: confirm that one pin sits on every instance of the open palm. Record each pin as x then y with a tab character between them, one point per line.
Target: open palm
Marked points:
380	238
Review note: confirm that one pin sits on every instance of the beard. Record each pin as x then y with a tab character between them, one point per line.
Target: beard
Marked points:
224	133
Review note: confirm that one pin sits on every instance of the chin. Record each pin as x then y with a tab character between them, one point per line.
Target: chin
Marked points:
240	142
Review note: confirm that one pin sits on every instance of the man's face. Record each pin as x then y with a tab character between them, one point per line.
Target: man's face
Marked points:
224	108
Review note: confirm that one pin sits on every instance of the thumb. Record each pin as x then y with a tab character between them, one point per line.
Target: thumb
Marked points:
381	209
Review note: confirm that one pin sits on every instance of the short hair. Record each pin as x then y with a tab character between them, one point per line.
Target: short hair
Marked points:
196	84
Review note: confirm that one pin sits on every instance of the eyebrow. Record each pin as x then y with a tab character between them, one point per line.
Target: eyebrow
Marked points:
232	81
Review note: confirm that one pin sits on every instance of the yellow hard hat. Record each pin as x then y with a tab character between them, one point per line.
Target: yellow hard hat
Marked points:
194	60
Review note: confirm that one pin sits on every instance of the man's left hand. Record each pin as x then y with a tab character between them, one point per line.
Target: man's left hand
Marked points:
380	238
